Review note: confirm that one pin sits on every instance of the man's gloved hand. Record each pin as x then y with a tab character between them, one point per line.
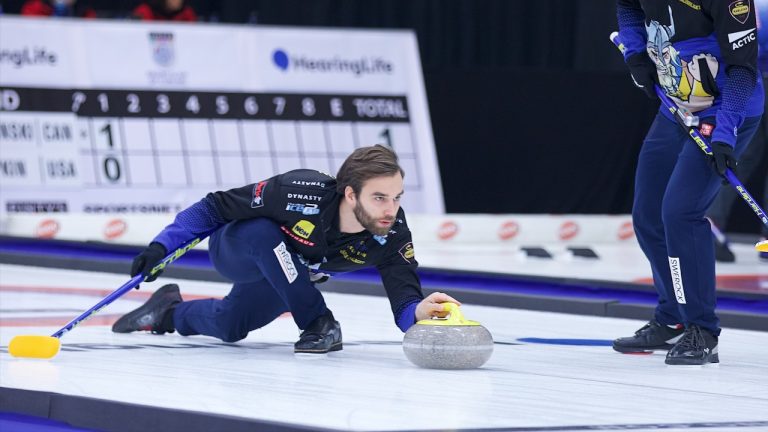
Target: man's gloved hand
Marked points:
722	157
643	73
147	259
318	277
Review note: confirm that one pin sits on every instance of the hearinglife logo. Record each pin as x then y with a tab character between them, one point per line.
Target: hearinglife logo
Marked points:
356	66
29	56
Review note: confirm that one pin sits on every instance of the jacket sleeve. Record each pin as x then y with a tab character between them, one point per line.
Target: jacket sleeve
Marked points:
736	31
218	209
398	273
631	19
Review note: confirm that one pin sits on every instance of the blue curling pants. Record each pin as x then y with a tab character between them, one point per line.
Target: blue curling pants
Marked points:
269	279
675	184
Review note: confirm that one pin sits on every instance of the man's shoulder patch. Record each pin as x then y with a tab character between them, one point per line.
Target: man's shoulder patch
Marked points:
407	252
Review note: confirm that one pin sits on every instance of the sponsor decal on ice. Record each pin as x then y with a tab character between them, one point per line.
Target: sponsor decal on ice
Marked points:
286	262
568	230
626	231
508	230
115	229
47	229
447	230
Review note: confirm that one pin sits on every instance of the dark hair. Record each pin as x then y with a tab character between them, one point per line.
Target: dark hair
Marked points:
364	164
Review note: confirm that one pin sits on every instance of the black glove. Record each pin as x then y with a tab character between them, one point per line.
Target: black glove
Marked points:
148	259
722	157
643	73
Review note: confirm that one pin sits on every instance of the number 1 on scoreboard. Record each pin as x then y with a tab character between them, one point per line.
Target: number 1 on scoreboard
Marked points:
108	154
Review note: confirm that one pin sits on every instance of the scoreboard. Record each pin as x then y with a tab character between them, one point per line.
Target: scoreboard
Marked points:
127	117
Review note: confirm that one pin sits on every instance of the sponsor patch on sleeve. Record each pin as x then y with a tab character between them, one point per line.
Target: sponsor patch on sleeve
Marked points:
303	228
739	10
407	252
742	38
258	194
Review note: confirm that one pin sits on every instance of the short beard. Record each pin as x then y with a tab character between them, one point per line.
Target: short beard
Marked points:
368	222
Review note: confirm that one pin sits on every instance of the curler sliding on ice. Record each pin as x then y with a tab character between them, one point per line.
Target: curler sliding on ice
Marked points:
690	122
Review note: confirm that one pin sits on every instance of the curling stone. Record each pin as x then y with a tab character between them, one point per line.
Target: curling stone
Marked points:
448	343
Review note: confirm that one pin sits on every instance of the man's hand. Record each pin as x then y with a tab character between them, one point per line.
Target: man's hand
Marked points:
146	260
432	307
722	157
643	72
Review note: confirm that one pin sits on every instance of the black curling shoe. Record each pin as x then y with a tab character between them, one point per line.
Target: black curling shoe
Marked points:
321	336
697	347
650	337
154	316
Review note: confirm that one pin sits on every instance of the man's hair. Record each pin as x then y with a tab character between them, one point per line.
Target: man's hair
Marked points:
364	164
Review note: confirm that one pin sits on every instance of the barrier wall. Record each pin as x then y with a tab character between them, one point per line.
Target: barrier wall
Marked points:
516	230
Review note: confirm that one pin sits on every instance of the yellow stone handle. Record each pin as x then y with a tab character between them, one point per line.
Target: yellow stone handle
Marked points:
455	317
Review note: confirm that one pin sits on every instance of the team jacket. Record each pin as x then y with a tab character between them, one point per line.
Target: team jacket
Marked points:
705	53
306	206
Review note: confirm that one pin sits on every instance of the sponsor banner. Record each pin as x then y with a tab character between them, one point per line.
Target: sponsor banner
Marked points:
39	54
136	230
165	55
60	200
345	60
519	230
168	55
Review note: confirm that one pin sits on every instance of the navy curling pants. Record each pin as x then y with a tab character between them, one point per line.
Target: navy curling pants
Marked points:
675	184
269	279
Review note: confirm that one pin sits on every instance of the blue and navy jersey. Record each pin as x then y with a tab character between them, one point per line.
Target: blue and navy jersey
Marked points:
305	204
705	52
